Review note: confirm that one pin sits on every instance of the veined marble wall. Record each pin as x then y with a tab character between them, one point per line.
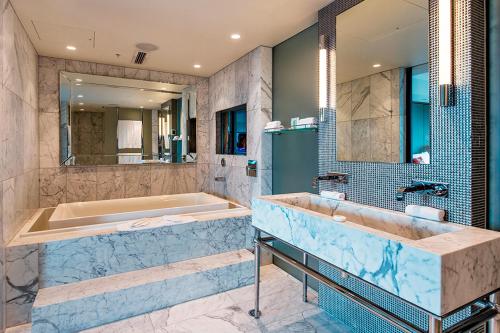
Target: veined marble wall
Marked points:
246	81
85	183
19	152
369	122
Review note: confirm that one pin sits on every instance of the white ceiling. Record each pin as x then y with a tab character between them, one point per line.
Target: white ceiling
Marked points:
187	32
98	92
369	34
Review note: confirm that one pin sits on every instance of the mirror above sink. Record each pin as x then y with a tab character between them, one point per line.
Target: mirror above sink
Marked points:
382	82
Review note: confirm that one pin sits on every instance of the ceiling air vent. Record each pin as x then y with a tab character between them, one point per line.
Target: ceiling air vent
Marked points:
139	57
142	52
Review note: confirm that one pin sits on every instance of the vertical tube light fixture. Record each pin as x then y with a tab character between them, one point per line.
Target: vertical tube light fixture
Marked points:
445	52
323	78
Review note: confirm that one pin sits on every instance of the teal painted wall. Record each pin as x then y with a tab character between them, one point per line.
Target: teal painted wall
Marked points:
295	94
494	115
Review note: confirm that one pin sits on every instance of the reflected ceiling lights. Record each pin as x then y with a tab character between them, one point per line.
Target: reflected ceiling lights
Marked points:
377	65
197	66
80	96
71	48
235	36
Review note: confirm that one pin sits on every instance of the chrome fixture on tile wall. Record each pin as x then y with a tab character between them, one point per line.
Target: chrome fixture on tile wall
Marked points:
425	188
336	177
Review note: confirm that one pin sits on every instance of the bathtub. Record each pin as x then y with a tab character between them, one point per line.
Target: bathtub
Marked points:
108	214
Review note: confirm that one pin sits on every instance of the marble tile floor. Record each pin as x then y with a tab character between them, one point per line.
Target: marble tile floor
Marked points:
281	305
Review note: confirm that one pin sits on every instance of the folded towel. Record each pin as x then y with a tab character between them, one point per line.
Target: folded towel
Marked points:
274	128
154	222
423	212
273	124
332	195
308	121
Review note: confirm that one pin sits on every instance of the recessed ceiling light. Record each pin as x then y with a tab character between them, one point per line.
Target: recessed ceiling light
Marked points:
82	109
163	88
150	100
376	65
197	66
81	103
78	84
78	80
71	48
235	36
142	89
142	107
80	96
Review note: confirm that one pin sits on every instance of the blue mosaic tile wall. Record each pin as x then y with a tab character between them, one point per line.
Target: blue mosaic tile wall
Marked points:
458	155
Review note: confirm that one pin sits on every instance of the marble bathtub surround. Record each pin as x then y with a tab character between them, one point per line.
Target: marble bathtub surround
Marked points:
368	118
246	81
227	312
424	262
21	283
87	304
19	151
42	257
73	260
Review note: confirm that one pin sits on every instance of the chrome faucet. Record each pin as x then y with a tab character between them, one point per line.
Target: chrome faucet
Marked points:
337	177
423	187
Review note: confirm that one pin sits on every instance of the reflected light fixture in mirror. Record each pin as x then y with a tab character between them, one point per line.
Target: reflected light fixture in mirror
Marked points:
323	78
445	51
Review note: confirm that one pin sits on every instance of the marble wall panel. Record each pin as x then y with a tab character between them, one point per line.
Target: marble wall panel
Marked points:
246	81
20	59
81	184
136	74
360	98
367	114
48	83
344	101
52	186
19	152
380	95
49	139
21	283
11	135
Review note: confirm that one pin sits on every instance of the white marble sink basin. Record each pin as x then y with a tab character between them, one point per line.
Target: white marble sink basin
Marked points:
383	220
434	265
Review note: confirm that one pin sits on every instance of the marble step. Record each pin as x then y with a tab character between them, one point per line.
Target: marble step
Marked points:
81	305
78	259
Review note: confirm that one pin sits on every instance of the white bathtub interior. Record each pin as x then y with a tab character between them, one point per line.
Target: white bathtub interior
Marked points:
107	214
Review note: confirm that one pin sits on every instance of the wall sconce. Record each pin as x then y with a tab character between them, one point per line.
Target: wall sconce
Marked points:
323	78
445	52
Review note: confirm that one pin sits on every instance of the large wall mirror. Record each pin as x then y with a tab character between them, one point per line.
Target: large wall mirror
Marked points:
106	120
382	82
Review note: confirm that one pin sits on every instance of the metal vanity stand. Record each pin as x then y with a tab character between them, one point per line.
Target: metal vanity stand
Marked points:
483	309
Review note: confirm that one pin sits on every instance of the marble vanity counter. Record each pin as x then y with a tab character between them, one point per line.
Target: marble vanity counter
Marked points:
436	266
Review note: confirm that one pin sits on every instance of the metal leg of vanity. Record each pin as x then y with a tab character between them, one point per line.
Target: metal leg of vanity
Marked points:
304	278
484	309
494	323
255	312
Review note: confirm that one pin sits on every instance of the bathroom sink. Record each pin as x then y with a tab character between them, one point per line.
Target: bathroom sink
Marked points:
437	266
395	223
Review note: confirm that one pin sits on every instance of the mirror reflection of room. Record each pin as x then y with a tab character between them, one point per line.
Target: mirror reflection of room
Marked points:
382	83
106	121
